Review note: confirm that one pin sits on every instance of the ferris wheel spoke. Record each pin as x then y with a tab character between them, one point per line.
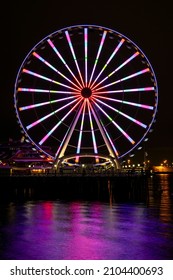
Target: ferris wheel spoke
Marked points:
144	106
80	132
125	78
92	132
116	70
106	137
37	90
51	114
125	90
121	113
108	61
116	125
97	57
81	129
61	150
46	78
74	56
44	103
53	68
63	60
58	124
86	55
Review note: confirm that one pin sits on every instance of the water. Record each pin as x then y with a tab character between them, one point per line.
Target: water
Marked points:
37	229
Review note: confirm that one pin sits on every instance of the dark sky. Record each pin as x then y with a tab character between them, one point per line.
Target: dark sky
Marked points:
147	23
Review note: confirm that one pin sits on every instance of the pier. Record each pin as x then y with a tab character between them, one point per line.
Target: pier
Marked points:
119	186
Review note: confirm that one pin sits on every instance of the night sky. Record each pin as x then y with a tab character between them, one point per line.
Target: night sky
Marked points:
147	23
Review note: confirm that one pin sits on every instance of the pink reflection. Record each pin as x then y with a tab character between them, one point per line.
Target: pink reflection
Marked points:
47	210
83	243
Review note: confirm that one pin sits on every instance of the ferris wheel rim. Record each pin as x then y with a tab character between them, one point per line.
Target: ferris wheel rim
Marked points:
85	26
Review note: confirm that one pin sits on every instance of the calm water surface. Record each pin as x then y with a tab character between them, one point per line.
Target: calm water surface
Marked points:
85	230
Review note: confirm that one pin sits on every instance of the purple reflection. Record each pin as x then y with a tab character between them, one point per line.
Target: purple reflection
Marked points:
89	230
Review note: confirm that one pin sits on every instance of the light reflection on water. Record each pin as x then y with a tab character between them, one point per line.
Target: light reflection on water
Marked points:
85	230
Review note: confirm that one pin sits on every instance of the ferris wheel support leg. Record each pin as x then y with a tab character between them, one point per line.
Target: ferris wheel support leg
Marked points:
117	164
107	142
57	164
66	140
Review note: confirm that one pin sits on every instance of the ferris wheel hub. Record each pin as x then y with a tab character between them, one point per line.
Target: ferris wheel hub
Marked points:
86	92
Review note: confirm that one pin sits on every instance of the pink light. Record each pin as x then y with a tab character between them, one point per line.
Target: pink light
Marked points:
48	210
81	128
124	102
53	68
102	127
86	55
69	132
45	78
108	61
112	144
51	114
98	54
43	103
113	72
123	114
47	90
63	61
119	128
92	130
74	56
125	90
126	78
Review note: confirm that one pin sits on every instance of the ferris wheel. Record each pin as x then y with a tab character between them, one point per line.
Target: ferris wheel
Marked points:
88	93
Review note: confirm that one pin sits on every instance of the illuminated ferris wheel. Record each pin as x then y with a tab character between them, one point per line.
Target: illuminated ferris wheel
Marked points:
88	93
